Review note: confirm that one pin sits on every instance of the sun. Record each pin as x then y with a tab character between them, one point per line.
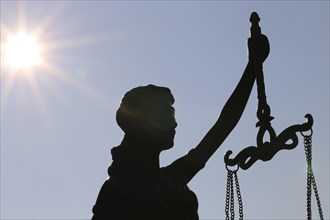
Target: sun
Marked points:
22	51
33	56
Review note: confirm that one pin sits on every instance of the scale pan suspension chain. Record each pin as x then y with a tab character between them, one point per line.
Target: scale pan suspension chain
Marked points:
230	195
311	182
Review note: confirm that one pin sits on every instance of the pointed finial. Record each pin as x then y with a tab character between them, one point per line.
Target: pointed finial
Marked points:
255	28
254	18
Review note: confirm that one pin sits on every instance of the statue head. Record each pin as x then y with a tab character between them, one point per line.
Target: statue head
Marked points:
146	112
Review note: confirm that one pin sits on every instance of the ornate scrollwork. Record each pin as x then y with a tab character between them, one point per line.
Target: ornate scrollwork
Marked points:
265	151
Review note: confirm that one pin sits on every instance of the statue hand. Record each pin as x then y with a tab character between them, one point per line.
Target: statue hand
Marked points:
258	48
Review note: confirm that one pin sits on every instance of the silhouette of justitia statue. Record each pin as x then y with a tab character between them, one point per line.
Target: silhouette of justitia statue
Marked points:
138	188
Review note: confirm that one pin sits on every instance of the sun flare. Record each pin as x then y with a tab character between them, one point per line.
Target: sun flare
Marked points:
34	61
22	51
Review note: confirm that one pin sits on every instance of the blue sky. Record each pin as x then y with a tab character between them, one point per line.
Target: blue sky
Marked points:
58	119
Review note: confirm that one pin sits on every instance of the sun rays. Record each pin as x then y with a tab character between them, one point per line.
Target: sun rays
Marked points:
31	53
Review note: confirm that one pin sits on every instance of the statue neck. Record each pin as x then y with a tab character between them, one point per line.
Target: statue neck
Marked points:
135	156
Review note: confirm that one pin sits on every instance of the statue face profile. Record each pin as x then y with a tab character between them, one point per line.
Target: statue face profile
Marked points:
147	113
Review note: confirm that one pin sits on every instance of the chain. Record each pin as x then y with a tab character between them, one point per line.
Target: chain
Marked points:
230	197
311	183
239	197
227	194
308	153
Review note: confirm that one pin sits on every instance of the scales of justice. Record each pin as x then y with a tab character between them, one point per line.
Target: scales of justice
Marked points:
265	150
